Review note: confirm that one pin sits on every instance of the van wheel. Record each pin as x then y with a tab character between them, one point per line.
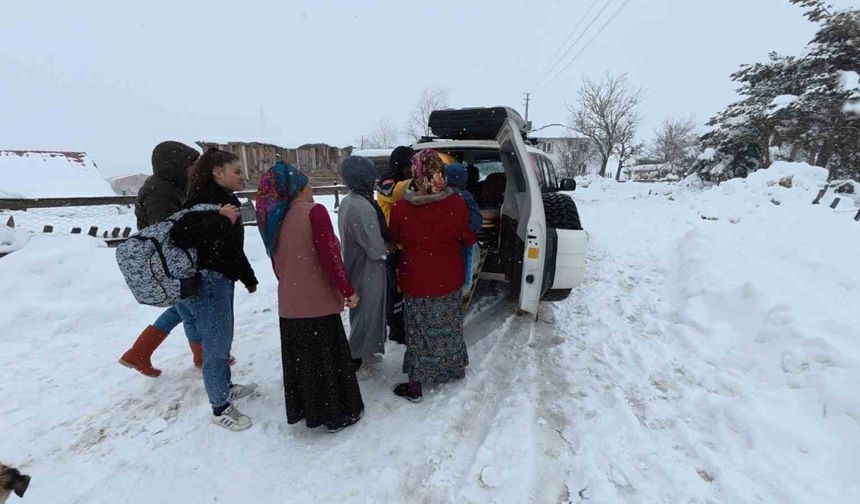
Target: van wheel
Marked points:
560	212
556	295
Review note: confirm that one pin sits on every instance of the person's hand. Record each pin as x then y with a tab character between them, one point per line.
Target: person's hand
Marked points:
251	288
352	301
231	212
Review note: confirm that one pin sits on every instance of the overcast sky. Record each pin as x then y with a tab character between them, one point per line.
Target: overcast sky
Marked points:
114	80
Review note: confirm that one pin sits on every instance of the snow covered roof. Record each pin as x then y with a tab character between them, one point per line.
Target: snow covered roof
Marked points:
372	152
50	174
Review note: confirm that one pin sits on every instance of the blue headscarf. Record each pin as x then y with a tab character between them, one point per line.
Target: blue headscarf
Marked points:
277	187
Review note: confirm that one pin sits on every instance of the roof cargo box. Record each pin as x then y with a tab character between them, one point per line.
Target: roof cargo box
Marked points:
472	123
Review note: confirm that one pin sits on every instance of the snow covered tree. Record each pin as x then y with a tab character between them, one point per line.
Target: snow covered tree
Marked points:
603	110
802	105
822	110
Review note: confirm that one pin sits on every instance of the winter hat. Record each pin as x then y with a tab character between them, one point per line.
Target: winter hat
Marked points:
171	160
401	157
457	175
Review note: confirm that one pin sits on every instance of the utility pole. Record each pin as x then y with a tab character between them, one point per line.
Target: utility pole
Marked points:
528	95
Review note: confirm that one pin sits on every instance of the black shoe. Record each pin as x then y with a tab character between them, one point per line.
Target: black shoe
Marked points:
344	423
402	390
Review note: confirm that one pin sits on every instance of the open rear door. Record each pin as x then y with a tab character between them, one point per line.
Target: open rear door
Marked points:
524	205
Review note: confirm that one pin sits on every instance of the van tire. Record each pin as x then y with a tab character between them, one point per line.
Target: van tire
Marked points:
560	211
556	295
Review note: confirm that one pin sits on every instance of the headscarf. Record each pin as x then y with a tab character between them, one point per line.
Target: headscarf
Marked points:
277	188
359	175
428	171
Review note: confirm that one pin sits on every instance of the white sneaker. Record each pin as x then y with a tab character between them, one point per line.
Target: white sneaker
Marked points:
240	391
232	419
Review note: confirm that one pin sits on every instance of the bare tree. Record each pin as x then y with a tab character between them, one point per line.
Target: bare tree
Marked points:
384	135
432	98
603	110
674	140
574	156
627	147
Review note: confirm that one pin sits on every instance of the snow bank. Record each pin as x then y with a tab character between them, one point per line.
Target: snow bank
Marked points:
42	174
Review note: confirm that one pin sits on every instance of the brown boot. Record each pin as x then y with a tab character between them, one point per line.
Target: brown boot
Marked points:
197	352
139	355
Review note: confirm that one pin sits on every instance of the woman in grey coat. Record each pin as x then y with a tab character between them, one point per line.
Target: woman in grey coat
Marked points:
364	236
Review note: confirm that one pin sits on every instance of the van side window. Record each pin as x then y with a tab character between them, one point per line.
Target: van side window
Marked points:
537	168
551	177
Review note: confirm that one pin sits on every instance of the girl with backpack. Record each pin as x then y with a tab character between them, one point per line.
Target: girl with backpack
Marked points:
219	240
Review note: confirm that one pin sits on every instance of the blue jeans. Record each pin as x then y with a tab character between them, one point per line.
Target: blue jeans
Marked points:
171	318
213	314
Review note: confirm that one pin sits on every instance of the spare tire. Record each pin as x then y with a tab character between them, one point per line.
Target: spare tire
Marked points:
560	211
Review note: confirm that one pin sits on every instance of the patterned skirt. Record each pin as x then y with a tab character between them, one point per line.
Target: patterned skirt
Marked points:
319	380
435	349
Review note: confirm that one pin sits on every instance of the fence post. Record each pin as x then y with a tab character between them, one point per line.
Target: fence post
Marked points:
857	217
336	198
94	231
11	222
835	203
48	229
115	233
126	232
76	230
820	195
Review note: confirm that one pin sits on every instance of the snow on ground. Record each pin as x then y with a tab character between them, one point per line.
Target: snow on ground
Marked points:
710	356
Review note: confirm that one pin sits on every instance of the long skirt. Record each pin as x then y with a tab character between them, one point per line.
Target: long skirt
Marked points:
435	349
319	380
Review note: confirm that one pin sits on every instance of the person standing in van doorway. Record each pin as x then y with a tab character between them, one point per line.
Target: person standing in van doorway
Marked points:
391	187
431	222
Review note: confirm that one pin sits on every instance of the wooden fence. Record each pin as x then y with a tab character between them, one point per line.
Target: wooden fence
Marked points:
116	235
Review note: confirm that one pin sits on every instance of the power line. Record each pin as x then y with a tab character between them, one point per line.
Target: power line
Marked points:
570	48
549	63
613	16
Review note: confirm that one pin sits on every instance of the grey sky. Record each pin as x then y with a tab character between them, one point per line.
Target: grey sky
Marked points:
115	80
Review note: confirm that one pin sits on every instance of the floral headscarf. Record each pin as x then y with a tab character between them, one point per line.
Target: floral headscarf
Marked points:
428	171
277	188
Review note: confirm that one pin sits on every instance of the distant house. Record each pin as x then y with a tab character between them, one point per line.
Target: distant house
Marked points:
319	161
127	185
570	155
50	174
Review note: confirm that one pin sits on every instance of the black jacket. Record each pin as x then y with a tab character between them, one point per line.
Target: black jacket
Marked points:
219	244
158	199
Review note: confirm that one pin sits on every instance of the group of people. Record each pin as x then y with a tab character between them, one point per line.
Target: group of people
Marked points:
407	249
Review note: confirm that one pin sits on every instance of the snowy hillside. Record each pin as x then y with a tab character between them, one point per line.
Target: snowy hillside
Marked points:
710	356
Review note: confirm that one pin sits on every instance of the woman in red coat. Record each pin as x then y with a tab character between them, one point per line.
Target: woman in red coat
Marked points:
431	224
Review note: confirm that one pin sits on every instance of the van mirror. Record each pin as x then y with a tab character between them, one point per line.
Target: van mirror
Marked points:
568	184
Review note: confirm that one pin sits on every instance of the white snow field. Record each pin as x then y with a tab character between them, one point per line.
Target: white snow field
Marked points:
711	356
